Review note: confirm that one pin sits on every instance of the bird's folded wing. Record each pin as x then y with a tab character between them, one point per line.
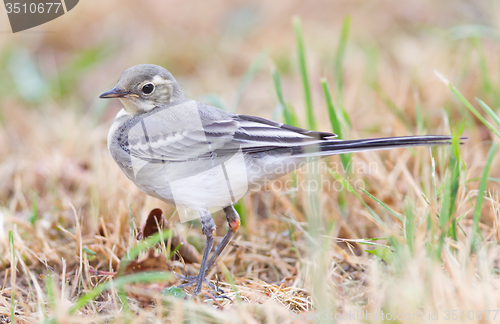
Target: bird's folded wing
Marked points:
190	135
155	144
257	134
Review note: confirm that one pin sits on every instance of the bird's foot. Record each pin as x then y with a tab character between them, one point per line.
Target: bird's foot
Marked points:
192	280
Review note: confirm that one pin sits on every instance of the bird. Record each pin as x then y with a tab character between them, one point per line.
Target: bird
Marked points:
202	158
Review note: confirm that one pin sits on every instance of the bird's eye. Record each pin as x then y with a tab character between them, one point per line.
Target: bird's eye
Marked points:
148	88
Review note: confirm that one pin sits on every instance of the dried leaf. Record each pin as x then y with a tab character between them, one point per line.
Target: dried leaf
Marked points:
150	262
155	222
145	292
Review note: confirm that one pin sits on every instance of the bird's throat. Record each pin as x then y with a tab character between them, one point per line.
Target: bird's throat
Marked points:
135	106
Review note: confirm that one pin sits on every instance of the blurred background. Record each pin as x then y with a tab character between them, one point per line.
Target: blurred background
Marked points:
224	53
208	46
53	158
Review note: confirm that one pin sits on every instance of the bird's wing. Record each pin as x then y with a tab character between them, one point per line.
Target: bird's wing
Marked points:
179	133
256	134
197	131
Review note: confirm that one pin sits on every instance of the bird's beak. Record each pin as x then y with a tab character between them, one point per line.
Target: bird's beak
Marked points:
116	93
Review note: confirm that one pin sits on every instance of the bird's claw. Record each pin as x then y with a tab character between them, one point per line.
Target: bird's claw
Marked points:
191	281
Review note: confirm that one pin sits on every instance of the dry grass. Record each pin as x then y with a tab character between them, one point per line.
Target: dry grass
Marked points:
71	211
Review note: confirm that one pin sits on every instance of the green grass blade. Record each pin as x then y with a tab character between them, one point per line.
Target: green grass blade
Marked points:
489	111
467	104
391	105
348	186
297	25
242	210
473	110
497	180
451	186
277	87
13	278
171	255
230	280
131	225
141	277
395	214
143	245
335	123
34	214
247	79
480	194
385	253
149	242
446	203
409	224
49	287
346	118
332	114
339	56
288	112
455	160
339	60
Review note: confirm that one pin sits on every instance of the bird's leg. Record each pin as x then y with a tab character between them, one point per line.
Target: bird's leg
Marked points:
208	228
233	219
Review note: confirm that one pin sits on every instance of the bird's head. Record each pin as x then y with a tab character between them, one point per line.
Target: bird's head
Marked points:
143	87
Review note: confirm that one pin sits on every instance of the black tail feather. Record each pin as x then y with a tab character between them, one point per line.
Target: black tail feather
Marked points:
332	147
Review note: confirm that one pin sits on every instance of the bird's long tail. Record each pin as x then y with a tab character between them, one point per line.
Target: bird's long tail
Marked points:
331	147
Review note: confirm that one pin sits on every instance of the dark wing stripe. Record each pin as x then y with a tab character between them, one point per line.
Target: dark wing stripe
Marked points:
221	127
259	120
271	132
290	129
316	135
268	140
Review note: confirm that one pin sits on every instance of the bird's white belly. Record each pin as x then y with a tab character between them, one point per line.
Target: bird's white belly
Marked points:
184	185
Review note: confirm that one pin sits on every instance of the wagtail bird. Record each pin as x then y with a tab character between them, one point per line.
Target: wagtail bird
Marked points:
203	158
